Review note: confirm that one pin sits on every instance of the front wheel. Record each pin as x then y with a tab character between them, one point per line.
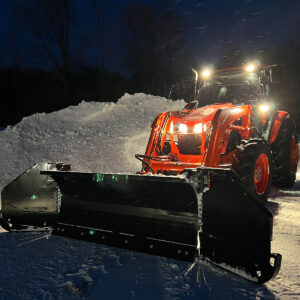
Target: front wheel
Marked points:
251	163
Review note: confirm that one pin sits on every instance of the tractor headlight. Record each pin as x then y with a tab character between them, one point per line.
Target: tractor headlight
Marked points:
182	128
264	108
198	128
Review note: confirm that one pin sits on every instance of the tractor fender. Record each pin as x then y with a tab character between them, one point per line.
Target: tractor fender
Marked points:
277	121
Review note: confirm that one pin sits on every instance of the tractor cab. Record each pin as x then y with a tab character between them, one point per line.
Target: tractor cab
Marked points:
245	84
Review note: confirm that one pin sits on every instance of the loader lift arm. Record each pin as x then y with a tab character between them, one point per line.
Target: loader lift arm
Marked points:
222	120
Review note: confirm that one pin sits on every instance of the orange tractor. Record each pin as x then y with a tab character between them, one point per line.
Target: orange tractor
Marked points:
256	141
205	175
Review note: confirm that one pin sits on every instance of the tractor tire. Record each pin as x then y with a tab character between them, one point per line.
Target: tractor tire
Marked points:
252	164
285	155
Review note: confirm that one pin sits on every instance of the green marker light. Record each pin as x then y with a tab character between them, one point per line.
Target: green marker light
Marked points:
98	177
33	197
115	177
92	232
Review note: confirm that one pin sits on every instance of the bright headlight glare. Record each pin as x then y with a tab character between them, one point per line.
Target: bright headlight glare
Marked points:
250	68
183	128
264	107
198	128
206	73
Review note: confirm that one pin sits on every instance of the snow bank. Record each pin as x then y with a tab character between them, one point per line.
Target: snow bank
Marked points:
92	136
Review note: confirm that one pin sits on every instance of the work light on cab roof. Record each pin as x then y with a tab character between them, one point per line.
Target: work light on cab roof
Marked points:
251	67
206	73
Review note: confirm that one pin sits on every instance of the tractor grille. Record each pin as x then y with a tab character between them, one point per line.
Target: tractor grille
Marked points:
189	144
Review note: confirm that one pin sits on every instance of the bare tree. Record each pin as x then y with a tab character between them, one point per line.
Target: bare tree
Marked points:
16	70
155	46
49	22
99	10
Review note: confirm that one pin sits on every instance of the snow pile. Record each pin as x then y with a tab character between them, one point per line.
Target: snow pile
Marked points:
92	136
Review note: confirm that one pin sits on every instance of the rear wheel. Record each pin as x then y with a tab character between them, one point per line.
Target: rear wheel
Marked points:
251	163
285	155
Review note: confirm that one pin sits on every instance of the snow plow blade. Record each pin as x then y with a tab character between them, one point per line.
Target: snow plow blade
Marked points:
172	216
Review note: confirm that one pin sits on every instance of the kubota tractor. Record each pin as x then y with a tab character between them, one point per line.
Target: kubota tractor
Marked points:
205	175
255	140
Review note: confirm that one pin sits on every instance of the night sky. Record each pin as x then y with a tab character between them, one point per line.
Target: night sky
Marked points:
249	25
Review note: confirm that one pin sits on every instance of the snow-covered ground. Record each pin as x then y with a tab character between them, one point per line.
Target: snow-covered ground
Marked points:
105	137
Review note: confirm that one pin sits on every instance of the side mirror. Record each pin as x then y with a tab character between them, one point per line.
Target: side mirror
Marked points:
192	105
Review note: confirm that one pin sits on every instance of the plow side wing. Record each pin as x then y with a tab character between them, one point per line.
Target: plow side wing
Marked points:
31	200
237	231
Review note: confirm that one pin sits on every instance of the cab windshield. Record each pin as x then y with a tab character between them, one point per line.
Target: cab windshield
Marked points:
234	87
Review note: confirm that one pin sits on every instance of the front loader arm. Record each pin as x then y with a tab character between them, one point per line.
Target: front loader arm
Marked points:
157	126
222	120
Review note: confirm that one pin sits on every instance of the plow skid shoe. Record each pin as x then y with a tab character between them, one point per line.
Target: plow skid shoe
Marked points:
205	213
